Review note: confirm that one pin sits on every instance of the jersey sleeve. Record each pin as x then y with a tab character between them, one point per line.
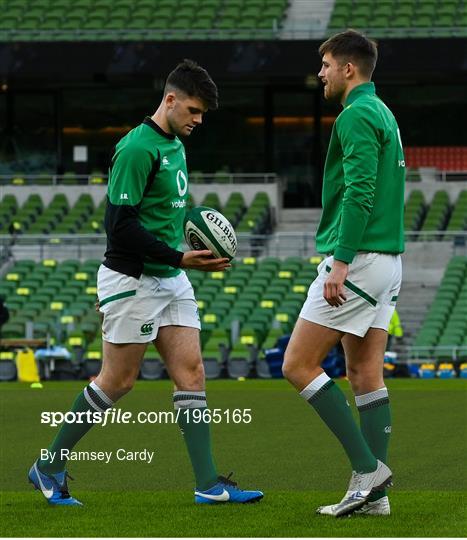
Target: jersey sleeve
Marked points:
129	172
132	171
360	141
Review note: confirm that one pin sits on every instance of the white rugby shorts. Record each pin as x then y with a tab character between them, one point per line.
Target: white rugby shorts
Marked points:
134	309
372	287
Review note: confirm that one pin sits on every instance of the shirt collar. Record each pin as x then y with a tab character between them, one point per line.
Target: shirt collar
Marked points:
364	88
150	122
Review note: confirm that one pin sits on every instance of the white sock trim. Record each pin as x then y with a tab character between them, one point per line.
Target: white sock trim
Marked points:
364	399
91	402
189	399
101	394
315	385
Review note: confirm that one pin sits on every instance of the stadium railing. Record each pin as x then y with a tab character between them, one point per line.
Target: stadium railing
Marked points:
279	244
196	177
419	354
142	34
299	31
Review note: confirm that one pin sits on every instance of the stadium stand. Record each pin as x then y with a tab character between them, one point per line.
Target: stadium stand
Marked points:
65	20
447	158
399	18
263	296
458	219
86	218
244	312
443	334
437	215
414	211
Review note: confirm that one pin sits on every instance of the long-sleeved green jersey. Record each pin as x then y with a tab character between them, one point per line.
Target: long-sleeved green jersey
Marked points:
146	199
364	176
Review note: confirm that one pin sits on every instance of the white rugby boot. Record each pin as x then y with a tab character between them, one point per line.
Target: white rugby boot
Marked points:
361	486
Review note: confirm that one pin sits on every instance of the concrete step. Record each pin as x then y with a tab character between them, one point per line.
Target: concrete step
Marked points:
300	215
307	18
304	226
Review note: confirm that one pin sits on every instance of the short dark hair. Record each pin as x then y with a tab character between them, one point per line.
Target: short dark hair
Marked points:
352	46
190	78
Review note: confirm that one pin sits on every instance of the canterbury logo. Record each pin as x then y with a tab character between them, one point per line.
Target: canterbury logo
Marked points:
146	328
387	429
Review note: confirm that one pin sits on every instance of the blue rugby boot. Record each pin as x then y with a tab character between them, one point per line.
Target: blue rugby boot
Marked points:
226	491
54	487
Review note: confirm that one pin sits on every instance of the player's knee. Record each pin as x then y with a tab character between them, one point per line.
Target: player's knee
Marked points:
355	377
126	386
289	365
363	382
195	375
123	385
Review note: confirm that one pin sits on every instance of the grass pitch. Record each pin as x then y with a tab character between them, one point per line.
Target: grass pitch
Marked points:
285	451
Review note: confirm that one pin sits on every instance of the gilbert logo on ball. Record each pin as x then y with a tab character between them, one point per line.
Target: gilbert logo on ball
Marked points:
206	228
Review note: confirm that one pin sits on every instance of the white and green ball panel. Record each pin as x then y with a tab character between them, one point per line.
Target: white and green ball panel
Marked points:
206	228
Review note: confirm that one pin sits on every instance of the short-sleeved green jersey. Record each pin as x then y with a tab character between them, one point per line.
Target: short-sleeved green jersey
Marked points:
148	175
364	177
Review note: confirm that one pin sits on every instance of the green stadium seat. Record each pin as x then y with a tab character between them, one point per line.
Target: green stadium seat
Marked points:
212	200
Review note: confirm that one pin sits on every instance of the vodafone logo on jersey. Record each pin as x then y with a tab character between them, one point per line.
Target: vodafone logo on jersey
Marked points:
182	183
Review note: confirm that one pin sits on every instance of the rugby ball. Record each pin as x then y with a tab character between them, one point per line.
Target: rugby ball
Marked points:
206	228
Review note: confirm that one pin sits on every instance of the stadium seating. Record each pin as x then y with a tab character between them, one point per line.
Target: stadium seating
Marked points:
443	335
437	215
414	211
84	217
260	298
401	18
55	296
445	158
458	219
8	371
244	312
65	20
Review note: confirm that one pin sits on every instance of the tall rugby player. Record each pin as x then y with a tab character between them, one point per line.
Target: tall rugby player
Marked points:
353	298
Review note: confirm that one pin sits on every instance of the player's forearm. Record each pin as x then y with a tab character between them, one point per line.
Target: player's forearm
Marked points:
356	209
352	226
125	230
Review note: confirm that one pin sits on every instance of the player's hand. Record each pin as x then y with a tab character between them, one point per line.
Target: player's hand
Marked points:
203	260
333	290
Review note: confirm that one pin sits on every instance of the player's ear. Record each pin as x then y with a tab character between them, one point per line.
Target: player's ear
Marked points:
349	70
170	99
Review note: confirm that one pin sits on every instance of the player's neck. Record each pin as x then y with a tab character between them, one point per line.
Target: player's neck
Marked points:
160	118
352	84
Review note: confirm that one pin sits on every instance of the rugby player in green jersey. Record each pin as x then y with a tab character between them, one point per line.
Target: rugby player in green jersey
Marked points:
353	298
144	294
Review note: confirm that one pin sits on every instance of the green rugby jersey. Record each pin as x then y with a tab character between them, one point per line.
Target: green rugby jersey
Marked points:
364	177
146	200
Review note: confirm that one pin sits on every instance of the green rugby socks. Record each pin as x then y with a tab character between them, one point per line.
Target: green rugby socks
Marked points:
375	424
331	405
92	398
190	406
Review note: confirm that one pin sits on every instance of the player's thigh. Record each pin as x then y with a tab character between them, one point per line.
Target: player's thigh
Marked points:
364	358
179	347
309	344
120	367
131	307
